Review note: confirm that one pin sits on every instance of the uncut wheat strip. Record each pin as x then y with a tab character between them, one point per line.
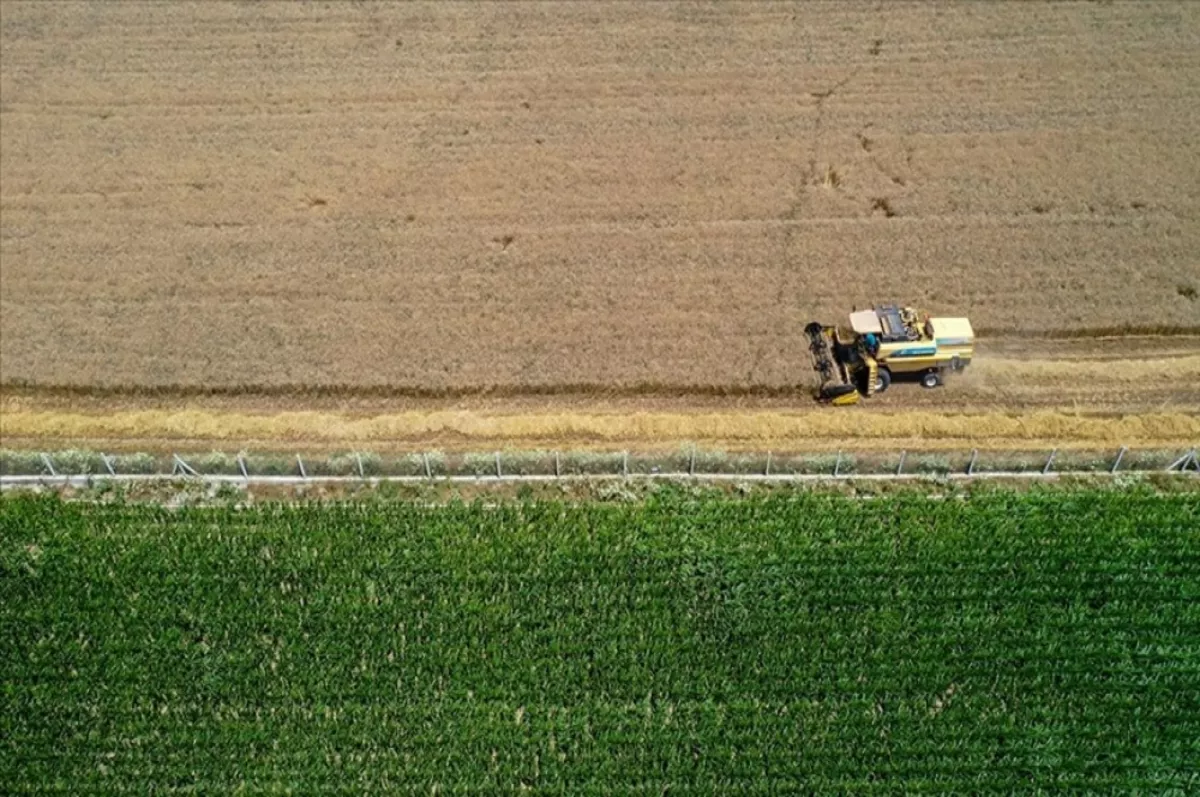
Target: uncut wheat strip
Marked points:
746	428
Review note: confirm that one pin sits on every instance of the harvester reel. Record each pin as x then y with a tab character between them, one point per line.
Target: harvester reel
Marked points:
834	388
822	353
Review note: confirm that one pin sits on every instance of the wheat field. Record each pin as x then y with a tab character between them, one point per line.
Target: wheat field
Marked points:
456	196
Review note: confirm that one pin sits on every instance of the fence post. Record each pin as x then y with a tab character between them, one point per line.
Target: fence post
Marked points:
242	466
767	472
557	466
358	459
187	469
625	465
428	470
837	465
900	466
108	463
303	472
1120	456
1184	462
499	473
692	461
971	464
49	465
1049	462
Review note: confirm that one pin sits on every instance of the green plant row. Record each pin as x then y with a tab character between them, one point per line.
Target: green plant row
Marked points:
1046	640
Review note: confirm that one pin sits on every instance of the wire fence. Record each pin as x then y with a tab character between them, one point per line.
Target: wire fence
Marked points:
81	467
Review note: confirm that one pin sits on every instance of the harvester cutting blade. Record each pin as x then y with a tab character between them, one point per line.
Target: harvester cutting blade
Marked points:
840	395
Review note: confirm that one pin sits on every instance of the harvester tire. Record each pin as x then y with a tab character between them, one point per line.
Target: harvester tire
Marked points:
883	380
931	379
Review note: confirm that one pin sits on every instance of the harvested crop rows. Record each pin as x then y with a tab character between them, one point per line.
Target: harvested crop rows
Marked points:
1047	640
533	197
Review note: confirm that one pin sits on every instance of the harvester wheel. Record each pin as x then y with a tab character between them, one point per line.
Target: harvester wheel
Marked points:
883	380
931	379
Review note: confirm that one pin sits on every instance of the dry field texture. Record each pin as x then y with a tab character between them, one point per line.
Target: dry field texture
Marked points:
366	212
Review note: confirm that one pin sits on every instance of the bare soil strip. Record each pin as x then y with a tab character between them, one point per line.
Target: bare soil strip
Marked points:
1111	373
1167	367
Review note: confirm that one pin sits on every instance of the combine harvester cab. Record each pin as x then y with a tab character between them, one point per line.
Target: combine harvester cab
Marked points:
884	342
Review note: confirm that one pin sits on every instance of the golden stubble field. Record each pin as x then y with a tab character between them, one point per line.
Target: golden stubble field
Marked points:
540	203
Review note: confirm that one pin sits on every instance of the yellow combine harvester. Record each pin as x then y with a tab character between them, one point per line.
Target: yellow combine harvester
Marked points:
885	342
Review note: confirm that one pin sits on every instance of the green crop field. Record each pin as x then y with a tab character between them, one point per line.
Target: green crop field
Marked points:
772	644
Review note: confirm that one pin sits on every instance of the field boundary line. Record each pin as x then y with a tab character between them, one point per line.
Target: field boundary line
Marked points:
86	468
88	480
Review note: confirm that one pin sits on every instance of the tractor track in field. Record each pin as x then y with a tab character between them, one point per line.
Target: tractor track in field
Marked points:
1023	372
